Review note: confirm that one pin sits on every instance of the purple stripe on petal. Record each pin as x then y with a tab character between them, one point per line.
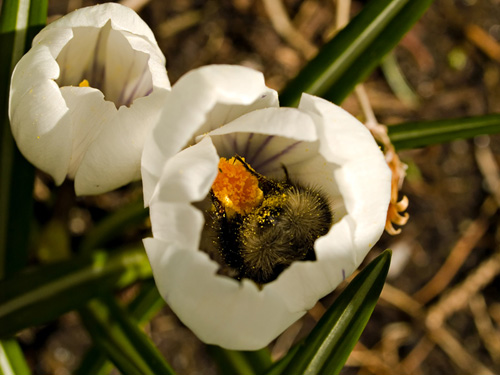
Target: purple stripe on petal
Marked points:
343	274
235	142
277	155
133	95
247	145
121	99
97	70
262	146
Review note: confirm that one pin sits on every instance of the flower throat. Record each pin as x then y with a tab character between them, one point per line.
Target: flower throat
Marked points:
261	225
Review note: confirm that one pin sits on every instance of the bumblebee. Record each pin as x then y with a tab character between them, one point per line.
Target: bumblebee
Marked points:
260	230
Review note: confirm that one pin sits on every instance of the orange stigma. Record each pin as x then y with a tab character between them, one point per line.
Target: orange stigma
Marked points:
236	187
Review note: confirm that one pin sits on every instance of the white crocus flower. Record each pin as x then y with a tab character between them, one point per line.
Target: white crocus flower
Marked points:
86	94
228	111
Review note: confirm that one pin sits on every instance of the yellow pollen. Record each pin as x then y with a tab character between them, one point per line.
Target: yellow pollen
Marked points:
236	188
84	83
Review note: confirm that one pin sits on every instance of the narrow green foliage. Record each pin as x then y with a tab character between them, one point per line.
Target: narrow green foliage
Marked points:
424	133
130	215
12	361
327	347
240	362
337	56
20	20
279	366
371	57
119	336
142	309
42	294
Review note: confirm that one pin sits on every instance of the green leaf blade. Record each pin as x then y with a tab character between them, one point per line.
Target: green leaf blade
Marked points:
240	362
20	20
42	294
425	133
142	309
116	223
326	349
337	56
372	56
119	336
12	361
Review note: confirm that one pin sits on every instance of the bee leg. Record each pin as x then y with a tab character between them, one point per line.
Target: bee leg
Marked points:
267	185
287	176
218	206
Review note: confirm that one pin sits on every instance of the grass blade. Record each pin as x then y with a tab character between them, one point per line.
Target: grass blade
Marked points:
42	294
130	215
12	361
337	56
371	57
240	362
147	303
20	21
119	336
419	134
326	349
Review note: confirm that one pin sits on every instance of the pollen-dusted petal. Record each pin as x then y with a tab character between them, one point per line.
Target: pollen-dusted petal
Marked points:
218	309
188	175
317	143
266	139
236	188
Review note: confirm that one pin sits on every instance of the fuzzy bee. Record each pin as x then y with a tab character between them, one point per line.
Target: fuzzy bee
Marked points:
281	227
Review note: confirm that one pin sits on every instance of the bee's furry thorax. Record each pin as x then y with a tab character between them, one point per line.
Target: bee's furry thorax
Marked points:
281	230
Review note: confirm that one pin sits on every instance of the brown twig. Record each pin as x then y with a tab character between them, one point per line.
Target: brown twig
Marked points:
482	40
434	320
458	297
487	331
283	25
474	232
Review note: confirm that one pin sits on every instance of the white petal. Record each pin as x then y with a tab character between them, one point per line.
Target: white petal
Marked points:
351	139
113	158
269	139
127	71
123	18
38	117
218	309
283	122
177	223
367	200
35	68
88	114
201	100
188	176
76	55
